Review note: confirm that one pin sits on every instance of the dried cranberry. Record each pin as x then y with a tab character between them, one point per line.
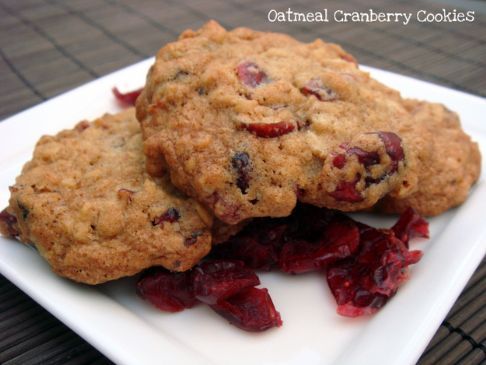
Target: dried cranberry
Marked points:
339	240
363	283
128	98
250	249
319	90
260	244
410	224
241	163
250	74
346	191
366	158
219	279
339	161
168	291
171	215
269	130
9	223
393	147
251	309
365	265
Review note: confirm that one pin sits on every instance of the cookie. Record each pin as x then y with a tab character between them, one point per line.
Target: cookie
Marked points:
249	123
91	210
449	162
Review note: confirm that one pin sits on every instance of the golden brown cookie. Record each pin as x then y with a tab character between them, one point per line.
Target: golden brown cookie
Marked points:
449	162
249	123
87	204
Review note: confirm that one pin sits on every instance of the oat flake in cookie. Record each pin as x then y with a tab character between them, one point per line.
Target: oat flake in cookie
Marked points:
249	122
87	204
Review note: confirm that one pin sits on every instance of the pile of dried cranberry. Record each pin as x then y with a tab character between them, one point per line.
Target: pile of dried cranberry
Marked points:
364	266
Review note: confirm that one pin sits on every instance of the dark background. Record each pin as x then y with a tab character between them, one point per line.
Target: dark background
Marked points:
50	46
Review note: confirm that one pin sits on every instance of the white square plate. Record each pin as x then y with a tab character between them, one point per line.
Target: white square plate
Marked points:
129	331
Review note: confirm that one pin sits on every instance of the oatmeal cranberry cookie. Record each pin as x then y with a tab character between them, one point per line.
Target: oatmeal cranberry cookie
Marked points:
250	122
87	204
449	162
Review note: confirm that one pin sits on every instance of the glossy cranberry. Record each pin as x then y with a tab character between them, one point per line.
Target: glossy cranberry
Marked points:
250	74
251	309
365	158
260	244
241	163
319	90
171	215
363	283
215	280
339	161
269	130
393	147
339	240
248	246
128	98
9	221
346	191
168	291
409	225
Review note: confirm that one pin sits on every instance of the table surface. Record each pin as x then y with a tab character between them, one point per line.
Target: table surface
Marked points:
50	46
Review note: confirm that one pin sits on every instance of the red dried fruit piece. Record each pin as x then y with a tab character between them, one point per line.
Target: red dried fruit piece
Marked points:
317	88
365	158
346	191
216	280
393	147
128	98
339	240
260	243
339	161
251	309
241	163
249	249
8	224
168	291
410	224
269	130
171	215
363	283
368	304
250	74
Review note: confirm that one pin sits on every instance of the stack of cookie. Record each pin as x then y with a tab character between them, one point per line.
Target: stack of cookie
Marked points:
232	125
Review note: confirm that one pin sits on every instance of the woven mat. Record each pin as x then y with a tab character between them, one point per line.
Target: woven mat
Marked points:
50	46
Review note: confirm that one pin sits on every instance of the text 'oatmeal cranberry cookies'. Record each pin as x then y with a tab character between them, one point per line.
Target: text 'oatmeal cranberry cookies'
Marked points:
449	162
87	204
248	123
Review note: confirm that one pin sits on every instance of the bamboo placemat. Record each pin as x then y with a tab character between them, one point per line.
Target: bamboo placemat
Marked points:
50	46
